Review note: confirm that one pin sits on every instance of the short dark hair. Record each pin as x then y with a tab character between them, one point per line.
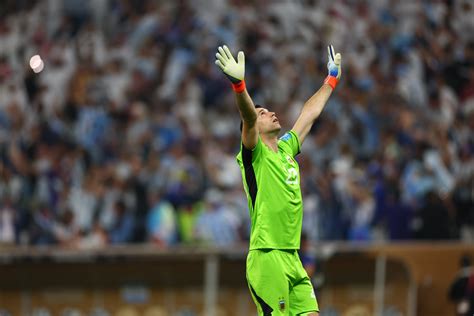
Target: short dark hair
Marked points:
257	106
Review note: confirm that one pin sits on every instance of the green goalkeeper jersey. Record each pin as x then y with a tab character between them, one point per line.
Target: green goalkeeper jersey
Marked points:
272	184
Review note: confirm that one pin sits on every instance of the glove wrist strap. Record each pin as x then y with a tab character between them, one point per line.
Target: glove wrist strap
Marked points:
332	81
239	86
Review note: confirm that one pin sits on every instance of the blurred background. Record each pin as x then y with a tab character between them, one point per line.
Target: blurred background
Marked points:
119	189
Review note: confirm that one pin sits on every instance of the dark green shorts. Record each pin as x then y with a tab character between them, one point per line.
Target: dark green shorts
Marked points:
279	284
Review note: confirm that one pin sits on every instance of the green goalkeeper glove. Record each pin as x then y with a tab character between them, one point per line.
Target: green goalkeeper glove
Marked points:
334	68
235	71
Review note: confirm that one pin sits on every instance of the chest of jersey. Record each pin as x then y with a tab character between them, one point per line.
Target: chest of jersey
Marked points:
282	166
278	175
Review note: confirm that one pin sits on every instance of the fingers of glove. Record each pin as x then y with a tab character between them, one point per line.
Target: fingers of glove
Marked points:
219	63
228	53
337	59
330	53
222	53
221	59
241	57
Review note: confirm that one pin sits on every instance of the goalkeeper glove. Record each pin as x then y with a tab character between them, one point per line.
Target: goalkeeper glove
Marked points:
235	71
334	68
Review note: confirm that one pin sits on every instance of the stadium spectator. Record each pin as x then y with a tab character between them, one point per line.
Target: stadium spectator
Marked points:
7	222
161	222
123	226
217	224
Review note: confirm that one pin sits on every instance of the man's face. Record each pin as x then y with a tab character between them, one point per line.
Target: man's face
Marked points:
267	121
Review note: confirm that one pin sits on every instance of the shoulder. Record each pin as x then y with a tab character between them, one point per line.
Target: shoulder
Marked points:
289	136
247	156
289	142
285	137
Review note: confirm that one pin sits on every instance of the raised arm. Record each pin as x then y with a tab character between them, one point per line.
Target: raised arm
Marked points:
235	71
314	106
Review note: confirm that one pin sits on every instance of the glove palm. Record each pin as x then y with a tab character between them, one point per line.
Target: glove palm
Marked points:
234	70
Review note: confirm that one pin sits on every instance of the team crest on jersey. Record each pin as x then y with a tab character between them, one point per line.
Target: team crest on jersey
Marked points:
281	303
290	161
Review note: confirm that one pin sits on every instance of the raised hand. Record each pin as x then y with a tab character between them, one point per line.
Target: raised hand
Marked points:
234	70
334	63
334	67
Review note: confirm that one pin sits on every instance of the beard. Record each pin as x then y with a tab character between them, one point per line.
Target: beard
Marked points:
275	130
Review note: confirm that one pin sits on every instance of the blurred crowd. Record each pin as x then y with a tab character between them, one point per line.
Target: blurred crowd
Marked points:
130	132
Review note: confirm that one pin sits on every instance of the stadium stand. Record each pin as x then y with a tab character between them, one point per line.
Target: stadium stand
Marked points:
129	133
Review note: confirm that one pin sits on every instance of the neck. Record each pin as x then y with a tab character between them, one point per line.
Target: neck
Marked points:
271	140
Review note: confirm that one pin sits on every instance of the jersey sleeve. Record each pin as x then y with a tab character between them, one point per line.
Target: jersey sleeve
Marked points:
290	143
246	156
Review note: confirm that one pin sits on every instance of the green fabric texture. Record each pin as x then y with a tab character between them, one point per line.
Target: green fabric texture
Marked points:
277	212
278	281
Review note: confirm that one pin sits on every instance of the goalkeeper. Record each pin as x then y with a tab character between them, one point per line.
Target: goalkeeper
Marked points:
277	281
